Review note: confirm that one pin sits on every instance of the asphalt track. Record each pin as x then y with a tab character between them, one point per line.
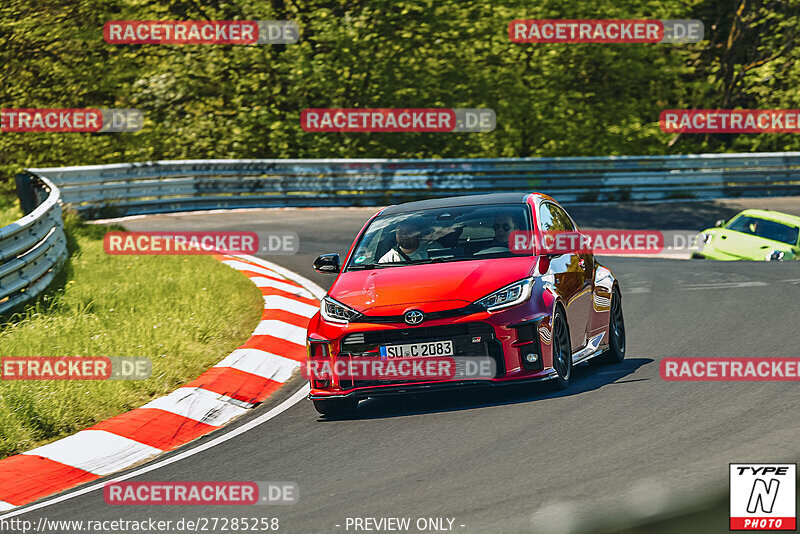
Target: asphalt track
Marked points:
620	446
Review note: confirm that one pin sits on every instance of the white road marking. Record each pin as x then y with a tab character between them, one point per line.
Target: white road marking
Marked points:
242	266
277	302
634	290
283	286
282	330
299	395
198	404
96	451
261	363
294	277
723	285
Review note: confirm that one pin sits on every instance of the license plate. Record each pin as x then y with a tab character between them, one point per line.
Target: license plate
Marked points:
413	350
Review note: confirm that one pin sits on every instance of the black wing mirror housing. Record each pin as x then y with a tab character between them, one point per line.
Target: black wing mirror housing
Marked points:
327	264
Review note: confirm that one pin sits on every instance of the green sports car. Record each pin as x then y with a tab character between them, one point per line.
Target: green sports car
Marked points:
751	235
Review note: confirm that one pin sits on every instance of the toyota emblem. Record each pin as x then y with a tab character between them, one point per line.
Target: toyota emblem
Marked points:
413	317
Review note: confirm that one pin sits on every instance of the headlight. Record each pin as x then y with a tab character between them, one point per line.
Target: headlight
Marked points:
336	312
511	295
776	255
701	239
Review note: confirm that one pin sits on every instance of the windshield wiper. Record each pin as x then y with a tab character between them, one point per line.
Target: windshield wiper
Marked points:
368	266
429	260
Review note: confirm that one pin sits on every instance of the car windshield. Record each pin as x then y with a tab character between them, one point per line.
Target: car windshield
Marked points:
764	228
440	235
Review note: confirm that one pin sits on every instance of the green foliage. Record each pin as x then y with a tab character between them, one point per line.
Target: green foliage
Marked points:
228	101
9	209
185	313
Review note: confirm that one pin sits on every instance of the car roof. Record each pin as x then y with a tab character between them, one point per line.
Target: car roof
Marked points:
450	202
770	215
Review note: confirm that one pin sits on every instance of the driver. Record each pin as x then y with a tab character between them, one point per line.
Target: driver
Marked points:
504	224
409	245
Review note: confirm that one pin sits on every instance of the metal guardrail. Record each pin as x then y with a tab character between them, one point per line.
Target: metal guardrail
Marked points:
167	186
32	248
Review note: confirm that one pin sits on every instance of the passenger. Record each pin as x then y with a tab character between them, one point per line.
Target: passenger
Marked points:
410	245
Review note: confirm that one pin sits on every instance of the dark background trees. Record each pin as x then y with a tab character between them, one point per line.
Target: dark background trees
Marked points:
208	101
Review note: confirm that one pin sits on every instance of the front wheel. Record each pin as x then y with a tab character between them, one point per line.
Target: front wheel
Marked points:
562	351
616	330
335	407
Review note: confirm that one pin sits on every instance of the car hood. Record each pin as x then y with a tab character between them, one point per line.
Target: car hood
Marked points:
430	288
744	246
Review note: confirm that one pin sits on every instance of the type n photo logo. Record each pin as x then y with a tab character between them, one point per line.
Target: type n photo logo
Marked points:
763	497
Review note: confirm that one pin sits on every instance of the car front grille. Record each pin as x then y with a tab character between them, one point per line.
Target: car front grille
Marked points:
444	314
469	340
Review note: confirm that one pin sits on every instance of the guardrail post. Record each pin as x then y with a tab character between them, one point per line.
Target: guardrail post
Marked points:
27	199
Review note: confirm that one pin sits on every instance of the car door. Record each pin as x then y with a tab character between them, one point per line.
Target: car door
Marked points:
573	273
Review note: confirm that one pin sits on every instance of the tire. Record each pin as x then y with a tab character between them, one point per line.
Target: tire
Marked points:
616	330
562	350
335	407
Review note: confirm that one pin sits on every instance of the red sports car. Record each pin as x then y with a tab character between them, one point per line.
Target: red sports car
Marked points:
443	280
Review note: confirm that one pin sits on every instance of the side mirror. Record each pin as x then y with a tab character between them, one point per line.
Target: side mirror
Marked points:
327	264
544	263
719	223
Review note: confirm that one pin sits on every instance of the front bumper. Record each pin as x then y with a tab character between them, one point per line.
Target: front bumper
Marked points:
416	387
503	336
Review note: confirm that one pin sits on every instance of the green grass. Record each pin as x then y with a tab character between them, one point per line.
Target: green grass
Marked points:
185	313
9	210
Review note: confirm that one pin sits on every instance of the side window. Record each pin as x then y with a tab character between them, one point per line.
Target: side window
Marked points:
554	219
547	222
564	220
